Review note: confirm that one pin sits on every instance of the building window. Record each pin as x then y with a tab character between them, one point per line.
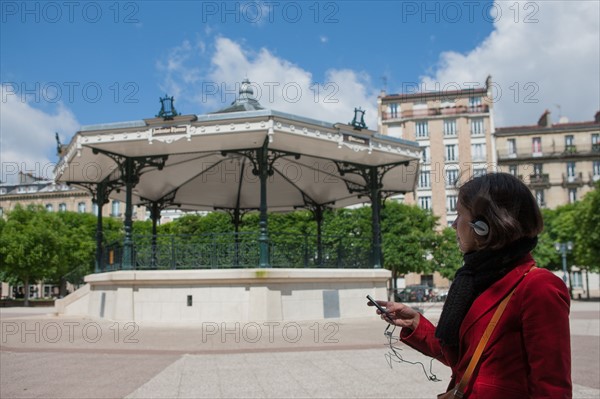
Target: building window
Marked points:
31	189
425	179
426	154
393	109
422	129
449	127
425	202
576	279
569	144
596	170
81	207
595	142
62	207
2	191
451	152
451	201
1	211
49	207
479	172
451	177
539	197
538	169
474	101
477	126
536	146
512	169
21	190
512	148
571	171
572	195
116	208
95	209
478	152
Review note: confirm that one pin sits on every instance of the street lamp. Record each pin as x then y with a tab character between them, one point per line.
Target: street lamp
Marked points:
564	248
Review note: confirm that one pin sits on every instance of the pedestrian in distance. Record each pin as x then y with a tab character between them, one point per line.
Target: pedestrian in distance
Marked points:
504	328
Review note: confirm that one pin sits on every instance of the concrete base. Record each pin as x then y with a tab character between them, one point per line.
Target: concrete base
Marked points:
227	295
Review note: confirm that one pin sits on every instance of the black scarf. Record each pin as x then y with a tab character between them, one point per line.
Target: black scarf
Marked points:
480	270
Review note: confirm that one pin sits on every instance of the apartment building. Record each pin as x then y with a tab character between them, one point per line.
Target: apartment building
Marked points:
454	129
30	189
559	162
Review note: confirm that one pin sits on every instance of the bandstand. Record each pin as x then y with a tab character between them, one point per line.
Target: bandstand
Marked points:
241	158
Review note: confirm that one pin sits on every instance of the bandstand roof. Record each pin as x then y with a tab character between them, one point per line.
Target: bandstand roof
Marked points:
205	162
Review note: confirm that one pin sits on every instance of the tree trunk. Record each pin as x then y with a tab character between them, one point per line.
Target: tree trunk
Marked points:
392	295
62	288
587	283
26	290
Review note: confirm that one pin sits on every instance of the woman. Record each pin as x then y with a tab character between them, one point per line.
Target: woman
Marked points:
528	354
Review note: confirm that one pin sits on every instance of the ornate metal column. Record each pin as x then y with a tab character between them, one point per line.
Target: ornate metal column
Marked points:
100	193
263	173
376	202
317	211
129	169
155	208
130	181
373	176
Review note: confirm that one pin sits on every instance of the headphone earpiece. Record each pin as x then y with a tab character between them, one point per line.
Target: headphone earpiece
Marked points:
480	227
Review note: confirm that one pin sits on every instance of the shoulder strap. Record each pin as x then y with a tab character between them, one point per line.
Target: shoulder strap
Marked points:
459	389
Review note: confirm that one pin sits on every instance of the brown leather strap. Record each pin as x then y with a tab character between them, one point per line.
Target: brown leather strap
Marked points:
459	389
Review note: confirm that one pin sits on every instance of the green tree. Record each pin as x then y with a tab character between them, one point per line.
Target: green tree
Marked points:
408	237
30	245
77	246
587	220
447	257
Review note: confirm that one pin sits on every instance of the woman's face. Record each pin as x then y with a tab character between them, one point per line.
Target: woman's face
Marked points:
464	232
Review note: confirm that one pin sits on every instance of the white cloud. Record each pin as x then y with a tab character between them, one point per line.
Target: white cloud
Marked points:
278	84
536	65
27	133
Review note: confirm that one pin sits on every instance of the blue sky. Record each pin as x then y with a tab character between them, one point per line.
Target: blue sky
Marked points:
67	64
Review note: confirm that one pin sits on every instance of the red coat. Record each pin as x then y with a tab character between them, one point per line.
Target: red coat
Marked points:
529	352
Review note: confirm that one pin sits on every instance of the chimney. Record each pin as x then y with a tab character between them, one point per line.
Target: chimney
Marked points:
544	120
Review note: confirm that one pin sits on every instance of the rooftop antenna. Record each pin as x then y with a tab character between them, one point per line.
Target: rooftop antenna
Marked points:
384	80
559	110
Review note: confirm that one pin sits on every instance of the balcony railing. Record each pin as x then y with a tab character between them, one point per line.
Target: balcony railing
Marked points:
539	180
239	250
525	152
418	113
572	181
570	149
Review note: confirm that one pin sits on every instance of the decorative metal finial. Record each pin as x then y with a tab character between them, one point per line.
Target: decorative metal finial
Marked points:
59	146
167	109
359	119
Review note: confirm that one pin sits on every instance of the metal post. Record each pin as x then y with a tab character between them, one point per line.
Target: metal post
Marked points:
128	241
263	238
563	250
99	200
154	215
319	219
375	217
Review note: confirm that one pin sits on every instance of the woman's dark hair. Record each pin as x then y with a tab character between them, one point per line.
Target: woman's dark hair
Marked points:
505	204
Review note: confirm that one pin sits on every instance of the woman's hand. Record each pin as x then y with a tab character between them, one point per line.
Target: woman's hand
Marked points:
399	314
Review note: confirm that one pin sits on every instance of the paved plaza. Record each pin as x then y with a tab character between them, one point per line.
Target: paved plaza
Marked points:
46	356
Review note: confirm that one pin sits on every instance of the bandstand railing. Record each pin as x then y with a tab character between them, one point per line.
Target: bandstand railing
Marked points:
239	250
